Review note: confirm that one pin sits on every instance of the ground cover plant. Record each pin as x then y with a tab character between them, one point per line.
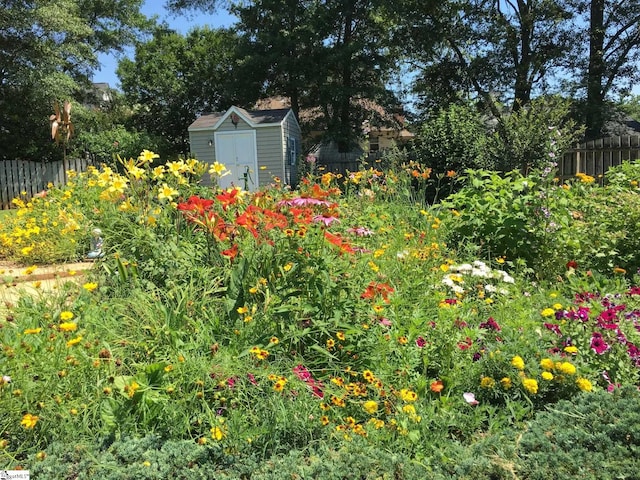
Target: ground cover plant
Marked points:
345	324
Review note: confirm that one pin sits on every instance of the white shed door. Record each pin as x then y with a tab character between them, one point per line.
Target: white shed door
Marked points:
237	151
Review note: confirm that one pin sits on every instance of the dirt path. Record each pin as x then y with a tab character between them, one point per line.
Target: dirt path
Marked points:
17	280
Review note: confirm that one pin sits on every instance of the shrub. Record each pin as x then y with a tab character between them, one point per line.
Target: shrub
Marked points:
593	436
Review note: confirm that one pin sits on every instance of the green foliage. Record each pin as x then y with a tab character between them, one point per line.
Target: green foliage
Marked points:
593	436
450	141
50	50
522	141
510	216
198	74
307	332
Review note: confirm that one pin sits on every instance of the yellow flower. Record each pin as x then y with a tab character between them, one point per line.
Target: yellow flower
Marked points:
370	406
487	382
30	270
279	385
566	367
68	327
29	421
530	385
217	433
547	364
167	193
571	349
408	395
131	389
288	267
218	169
74	341
506	383
584	384
147	156
32	331
242	310
548	312
547	376
90	286
517	362
274	340
66	316
409	409
340	336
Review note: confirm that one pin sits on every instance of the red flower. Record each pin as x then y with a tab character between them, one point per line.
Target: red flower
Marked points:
230	253
572	264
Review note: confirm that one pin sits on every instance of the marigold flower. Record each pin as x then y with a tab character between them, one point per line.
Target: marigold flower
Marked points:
566	368
548	312
584	384
66	316
530	385
487	382
217	433
571	349
506	383
517	362
547	376
547	364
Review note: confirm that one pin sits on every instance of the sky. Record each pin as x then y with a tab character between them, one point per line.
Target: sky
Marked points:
182	24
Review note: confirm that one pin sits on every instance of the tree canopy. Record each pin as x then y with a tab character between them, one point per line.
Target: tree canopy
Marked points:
48	51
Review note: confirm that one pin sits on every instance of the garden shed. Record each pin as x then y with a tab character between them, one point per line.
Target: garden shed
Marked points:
254	145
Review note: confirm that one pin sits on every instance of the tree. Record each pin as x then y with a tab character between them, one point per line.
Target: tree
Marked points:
330	54
173	79
48	50
496	50
613	55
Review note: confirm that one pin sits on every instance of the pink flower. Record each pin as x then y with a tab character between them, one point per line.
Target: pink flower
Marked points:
470	398
252	378
324	219
360	231
385	322
420	342
598	344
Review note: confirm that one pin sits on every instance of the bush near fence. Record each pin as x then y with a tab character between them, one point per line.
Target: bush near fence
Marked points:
24	178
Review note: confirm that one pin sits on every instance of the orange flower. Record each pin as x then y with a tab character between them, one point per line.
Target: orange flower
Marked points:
437	386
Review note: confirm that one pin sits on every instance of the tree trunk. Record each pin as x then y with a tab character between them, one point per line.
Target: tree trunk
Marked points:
595	99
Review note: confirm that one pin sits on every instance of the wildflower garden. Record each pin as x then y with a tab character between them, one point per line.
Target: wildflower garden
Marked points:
352	327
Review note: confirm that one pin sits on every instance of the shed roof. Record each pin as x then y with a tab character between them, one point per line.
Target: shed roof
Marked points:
253	117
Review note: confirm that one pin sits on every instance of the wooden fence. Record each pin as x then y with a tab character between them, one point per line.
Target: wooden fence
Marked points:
23	178
594	158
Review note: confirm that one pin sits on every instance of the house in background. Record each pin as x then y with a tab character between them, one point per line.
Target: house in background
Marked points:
254	145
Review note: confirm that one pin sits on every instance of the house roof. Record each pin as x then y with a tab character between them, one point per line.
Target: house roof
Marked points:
255	118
